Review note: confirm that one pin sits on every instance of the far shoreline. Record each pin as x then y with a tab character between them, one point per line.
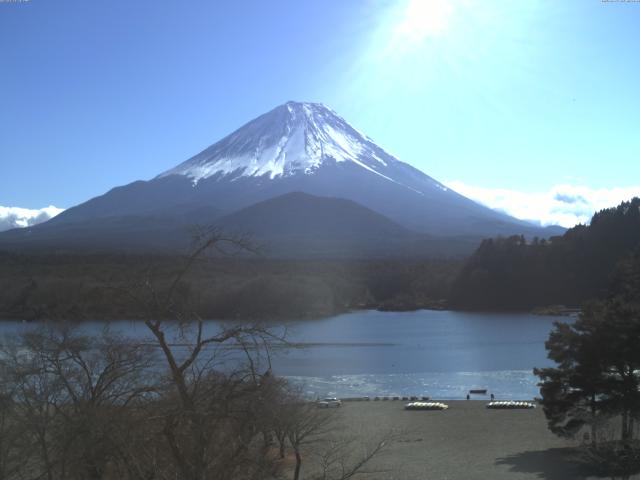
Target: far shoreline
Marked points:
549	311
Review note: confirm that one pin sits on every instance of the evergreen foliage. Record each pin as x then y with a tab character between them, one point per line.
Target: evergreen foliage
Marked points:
597	373
513	273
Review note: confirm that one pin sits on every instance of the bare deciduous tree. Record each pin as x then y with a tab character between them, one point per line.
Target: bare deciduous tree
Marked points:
71	394
214	382
198	401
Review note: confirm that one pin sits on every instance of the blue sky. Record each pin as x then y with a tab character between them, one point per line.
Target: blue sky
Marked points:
520	99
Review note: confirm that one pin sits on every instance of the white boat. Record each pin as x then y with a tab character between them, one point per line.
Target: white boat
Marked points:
510	404
426	406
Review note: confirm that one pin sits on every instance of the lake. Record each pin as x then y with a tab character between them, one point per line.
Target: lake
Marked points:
441	354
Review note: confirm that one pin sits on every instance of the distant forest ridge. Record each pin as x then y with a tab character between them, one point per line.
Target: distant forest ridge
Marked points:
514	274
102	287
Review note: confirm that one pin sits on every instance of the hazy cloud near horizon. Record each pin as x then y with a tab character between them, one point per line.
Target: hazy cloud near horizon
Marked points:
565	205
16	217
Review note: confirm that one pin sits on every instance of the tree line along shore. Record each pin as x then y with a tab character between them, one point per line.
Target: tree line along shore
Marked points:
77	287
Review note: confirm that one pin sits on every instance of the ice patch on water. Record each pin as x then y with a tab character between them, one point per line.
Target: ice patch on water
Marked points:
504	384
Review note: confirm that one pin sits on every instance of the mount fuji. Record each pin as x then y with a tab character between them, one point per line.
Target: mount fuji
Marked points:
302	148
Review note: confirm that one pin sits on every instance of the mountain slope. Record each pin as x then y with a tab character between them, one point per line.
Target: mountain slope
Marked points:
303	214
301	225
294	225
296	147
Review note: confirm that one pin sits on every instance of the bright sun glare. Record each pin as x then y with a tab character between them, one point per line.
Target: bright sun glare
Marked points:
422	19
417	36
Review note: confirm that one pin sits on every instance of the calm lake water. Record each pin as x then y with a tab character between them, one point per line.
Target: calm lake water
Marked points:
441	354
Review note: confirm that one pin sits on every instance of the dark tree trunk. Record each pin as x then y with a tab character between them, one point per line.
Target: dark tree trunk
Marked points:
296	473
594	428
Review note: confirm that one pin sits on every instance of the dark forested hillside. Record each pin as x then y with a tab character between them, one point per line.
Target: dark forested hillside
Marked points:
511	273
78	287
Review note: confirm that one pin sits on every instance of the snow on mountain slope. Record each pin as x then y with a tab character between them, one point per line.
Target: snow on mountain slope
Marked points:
296	147
291	139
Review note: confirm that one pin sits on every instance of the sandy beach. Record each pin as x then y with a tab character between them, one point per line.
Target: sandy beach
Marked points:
467	441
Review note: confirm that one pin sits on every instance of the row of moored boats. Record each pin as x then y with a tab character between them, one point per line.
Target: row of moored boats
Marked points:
507	405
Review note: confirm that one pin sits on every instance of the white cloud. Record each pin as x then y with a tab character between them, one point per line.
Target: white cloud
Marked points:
565	205
16	217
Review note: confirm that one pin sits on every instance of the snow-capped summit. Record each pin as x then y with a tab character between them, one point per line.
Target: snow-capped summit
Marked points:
302	148
297	137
